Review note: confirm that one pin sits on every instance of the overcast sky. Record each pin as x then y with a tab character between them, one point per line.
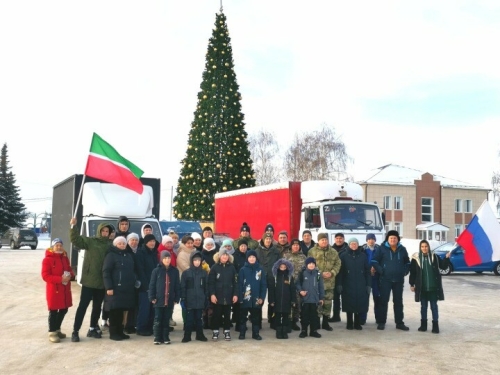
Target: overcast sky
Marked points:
410	83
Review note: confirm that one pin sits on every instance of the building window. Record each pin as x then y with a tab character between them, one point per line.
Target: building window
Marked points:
427	210
387	202
398	203
399	228
468	205
387	227
458	229
458	205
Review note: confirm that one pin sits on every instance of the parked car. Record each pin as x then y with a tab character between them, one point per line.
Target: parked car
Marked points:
457	261
180	227
18	237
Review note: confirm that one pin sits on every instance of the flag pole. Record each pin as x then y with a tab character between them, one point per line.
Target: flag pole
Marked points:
79	198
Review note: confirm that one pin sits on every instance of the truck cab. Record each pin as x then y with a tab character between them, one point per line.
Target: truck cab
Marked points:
332	207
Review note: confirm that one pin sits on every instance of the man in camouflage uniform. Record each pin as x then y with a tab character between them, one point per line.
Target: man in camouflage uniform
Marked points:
297	258
245	233
328	262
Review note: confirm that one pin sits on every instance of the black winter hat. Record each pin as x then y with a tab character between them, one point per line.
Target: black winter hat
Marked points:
245	228
242	241
251	252
392	233
295	241
122	218
196	254
269	227
165	254
310	260
149	237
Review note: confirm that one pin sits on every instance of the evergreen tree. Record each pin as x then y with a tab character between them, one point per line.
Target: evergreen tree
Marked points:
13	212
217	158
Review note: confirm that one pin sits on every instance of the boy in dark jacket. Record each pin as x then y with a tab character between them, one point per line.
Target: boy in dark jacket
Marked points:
312	293
425	282
194	294
282	296
164	292
223	291
252	287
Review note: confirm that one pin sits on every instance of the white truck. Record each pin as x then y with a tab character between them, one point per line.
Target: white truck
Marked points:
101	202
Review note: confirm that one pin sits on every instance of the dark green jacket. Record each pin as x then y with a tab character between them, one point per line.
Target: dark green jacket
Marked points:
95	251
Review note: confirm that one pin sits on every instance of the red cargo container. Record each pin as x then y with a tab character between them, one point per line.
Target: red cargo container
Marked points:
278	204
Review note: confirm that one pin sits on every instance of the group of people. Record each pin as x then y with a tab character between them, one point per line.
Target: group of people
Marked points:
135	281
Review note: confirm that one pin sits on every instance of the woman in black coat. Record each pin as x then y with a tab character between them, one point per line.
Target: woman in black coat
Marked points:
354	283
119	280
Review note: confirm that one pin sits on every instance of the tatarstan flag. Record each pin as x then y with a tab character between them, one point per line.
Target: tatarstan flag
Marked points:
106	164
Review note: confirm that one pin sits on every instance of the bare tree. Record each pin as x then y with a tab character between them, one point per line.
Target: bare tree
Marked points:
265	155
317	155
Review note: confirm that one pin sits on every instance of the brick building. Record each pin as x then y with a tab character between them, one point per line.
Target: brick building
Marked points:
422	205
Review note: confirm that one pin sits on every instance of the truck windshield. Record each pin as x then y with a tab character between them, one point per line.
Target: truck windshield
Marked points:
352	216
135	227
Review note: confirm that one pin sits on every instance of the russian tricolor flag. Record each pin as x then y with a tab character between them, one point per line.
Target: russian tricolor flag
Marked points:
481	239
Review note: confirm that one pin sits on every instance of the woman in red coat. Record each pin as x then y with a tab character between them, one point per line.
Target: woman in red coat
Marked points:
57	273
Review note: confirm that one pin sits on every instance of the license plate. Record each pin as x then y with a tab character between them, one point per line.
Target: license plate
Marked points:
28	238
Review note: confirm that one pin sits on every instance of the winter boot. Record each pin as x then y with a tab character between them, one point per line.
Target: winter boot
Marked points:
255	333
357	323
53	337
402	327
121	333
200	336
435	326
350	324
60	334
315	334
423	325
295	326
279	332
325	324
114	333
75	337
336	317
303	332
187	336
284	332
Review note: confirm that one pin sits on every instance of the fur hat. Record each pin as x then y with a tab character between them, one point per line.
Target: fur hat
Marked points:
245	228
132	235
56	241
242	241
195	236
392	233
149	237
165	254
119	239
322	235
371	236
269	227
340	234
251	253
165	239
353	239
278	263
310	260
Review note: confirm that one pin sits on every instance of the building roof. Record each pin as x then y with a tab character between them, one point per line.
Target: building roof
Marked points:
433	226
392	174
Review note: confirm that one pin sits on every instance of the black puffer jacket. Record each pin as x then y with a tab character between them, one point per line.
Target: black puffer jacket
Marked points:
354	278
223	282
118	275
157	286
194	286
267	256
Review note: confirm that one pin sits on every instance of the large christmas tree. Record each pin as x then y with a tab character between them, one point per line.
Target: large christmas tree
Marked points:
12	210
217	158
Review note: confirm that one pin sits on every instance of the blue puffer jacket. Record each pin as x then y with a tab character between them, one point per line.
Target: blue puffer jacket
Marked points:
391	265
157	286
252	285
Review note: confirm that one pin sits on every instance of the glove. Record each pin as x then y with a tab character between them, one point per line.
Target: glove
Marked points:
339	289
368	290
183	304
